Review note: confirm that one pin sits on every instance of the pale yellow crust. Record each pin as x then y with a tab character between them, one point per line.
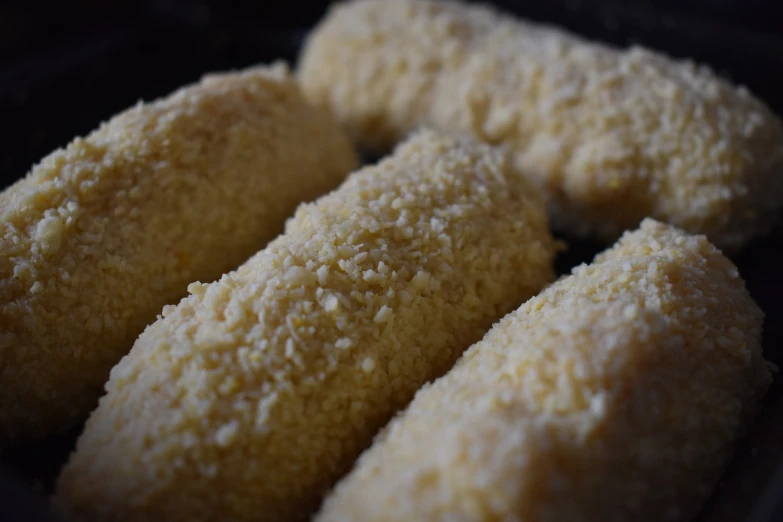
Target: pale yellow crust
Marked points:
616	394
611	135
102	234
253	395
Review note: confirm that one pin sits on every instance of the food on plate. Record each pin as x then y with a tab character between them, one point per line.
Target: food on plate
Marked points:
616	394
611	136
102	234
254	394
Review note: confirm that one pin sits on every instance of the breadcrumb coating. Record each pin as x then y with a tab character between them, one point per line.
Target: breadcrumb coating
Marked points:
257	392
616	394
102	234
611	136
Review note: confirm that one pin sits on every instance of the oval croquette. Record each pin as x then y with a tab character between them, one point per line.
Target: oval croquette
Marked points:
612	136
616	394
102	234
253	395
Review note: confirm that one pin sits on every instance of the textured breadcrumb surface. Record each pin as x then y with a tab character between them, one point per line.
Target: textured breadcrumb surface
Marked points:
102	234
256	393
616	394
612	136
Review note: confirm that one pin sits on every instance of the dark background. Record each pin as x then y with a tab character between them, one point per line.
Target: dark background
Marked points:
67	66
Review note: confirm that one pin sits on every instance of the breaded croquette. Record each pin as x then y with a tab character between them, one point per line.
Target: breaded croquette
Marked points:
616	394
256	393
611	136
102	234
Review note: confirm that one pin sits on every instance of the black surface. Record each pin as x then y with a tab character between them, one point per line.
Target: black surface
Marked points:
64	69
770	505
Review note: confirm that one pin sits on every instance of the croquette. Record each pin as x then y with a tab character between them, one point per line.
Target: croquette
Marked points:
100	235
254	394
616	394
611	136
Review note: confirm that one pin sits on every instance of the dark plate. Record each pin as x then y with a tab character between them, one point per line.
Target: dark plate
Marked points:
63	70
